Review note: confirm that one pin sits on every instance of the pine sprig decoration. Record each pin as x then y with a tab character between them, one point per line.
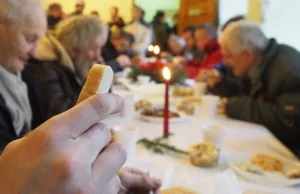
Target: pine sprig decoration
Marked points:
158	147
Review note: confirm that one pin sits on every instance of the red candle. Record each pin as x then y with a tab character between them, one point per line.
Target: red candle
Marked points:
167	77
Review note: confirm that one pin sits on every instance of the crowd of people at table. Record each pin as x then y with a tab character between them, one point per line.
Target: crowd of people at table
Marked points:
258	78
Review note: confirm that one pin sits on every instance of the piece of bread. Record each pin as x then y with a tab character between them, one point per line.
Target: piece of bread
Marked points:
178	190
267	163
98	81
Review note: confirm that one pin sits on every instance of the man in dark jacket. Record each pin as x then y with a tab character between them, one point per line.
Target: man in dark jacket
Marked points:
118	50
64	60
273	97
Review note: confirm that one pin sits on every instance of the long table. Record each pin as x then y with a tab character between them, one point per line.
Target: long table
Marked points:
240	138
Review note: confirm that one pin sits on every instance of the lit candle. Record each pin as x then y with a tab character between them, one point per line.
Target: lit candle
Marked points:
167	76
150	48
156	50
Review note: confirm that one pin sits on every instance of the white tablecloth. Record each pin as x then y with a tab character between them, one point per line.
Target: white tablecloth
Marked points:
240	137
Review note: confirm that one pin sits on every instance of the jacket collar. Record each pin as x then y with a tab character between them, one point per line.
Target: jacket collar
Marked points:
50	49
258	72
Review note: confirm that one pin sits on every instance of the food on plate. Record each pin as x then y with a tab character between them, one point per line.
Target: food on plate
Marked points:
179	190
98	81
267	163
142	104
189	109
188	104
182	91
204	155
158	112
294	175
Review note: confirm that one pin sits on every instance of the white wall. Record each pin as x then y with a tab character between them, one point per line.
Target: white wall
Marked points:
280	17
230	8
102	6
151	6
282	21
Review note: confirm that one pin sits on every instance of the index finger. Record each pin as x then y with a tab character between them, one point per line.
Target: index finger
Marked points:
80	118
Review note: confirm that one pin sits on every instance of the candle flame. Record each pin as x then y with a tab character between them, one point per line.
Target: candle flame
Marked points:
156	50
166	73
150	48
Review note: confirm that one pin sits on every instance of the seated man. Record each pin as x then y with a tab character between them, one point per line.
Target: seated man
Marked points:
206	40
221	79
274	89
118	50
65	58
176	49
20	101
192	52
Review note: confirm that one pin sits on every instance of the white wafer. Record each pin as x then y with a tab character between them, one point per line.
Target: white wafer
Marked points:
98	81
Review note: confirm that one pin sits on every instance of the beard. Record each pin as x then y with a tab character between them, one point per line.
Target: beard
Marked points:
83	67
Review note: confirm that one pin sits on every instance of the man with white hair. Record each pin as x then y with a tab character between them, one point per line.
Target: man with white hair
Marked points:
274	88
69	153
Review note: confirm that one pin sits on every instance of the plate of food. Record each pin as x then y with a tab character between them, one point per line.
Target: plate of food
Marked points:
266	169
156	115
188	104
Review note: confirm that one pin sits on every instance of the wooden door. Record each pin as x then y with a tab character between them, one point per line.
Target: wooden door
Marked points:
197	12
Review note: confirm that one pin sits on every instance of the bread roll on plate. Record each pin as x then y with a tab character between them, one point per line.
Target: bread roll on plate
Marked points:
98	81
179	190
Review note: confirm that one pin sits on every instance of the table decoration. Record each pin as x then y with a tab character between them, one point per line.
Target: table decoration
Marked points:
160	147
153	69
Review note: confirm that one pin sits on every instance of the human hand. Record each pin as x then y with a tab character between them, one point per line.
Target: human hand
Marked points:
213	78
124	61
203	75
222	106
67	154
164	54
179	61
138	182
137	59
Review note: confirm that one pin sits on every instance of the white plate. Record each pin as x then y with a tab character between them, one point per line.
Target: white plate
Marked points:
265	179
183	117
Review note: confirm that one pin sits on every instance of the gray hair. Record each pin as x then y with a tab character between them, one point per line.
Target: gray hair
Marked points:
178	40
11	10
74	33
242	35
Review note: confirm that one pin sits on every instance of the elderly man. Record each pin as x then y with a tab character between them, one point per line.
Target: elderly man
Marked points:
20	103
64	59
274	89
70	150
221	77
206	41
